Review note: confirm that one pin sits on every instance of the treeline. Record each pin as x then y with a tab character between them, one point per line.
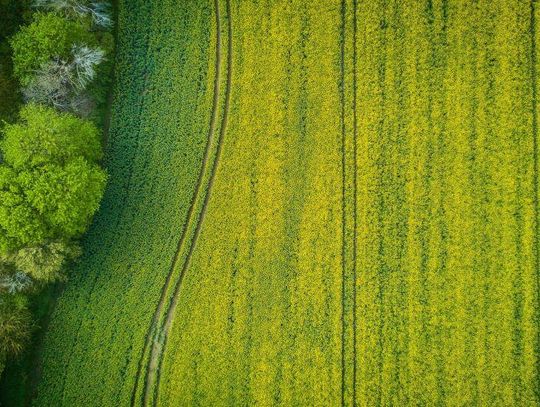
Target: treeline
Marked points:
55	70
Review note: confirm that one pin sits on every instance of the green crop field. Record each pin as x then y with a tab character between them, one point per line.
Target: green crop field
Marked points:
311	203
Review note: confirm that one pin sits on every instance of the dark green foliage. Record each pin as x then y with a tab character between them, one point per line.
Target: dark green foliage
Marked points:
15	324
16	382
9	96
12	14
2	363
100	88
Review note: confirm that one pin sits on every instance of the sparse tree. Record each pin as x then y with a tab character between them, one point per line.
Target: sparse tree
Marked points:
62	84
51	85
85	61
45	262
15	282
99	12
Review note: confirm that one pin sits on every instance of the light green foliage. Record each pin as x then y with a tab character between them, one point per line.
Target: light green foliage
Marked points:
45	263
44	136
50	185
66	196
19	222
48	36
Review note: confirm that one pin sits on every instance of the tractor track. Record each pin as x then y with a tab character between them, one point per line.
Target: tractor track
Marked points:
534	106
343	198
344	224
157	356
355	197
154	336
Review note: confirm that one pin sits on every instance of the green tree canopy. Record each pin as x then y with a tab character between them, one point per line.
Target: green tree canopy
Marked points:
45	262
19	222
48	36
44	136
65	197
50	184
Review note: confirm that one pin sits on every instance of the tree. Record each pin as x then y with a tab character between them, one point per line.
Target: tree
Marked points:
15	282
65	197
62	84
44	136
48	36
85	61
51	85
49	202
46	262
98	11
20	224
50	184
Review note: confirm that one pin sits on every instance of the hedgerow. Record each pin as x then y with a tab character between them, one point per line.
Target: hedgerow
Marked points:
50	179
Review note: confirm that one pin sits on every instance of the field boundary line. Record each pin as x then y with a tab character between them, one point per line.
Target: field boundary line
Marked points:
152	332
160	338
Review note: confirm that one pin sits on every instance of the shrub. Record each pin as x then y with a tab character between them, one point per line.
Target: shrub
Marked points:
15	325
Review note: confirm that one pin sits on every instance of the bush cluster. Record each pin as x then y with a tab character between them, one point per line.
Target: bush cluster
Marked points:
51	182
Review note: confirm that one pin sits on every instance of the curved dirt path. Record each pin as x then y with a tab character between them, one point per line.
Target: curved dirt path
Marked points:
156	359
156	337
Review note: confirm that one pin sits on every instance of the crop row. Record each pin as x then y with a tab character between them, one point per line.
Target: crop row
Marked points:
371	235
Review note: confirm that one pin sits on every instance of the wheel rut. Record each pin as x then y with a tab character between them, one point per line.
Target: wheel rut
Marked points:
151	357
